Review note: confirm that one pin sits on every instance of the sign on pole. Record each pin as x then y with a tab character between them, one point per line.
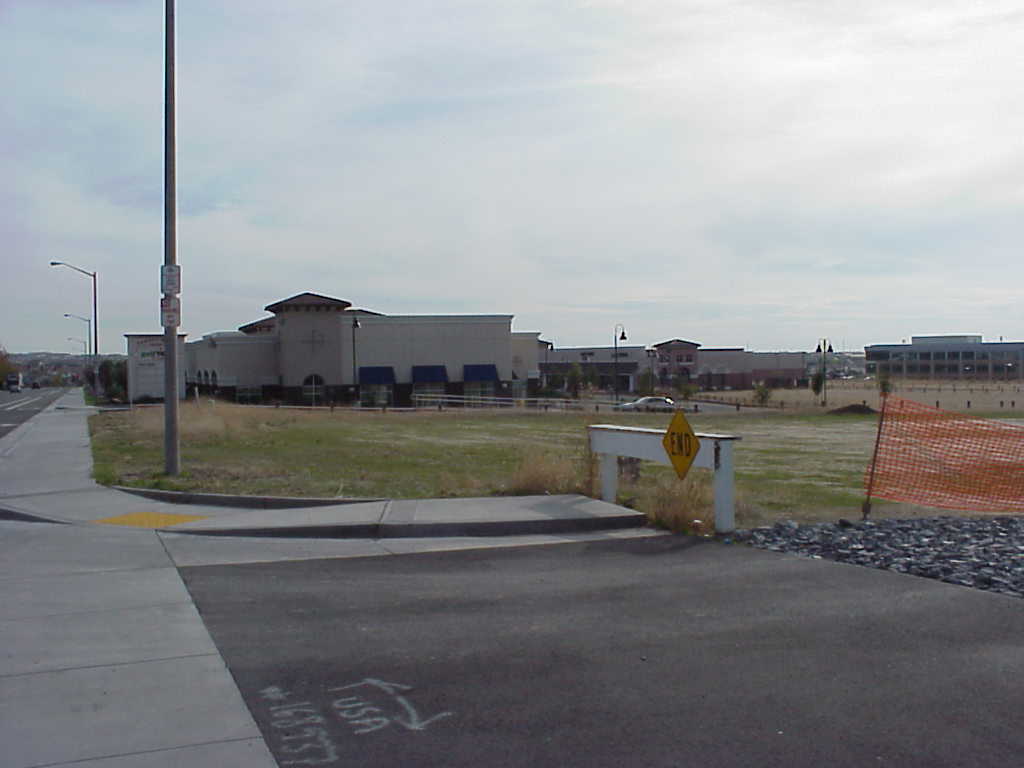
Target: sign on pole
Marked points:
170	312
170	279
681	444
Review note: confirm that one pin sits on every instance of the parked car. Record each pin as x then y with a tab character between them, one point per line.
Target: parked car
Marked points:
648	404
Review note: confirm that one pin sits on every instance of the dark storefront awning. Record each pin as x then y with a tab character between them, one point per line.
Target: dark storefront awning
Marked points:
480	373
376	374
429	374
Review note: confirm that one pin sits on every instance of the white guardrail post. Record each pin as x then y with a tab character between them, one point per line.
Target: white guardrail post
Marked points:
610	442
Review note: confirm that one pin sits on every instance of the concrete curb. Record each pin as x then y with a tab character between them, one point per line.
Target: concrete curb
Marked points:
244	502
469	529
6	513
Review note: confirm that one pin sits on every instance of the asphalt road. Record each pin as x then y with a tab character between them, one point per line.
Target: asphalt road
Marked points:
652	652
18	407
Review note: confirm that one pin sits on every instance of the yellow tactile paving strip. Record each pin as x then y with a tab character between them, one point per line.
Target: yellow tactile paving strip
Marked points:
149	519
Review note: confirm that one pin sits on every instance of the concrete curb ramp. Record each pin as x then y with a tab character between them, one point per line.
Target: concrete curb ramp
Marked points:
243	502
501	516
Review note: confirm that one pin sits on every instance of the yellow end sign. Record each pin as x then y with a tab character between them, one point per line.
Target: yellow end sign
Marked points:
681	444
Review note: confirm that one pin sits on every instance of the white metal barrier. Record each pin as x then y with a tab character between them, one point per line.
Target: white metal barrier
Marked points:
716	452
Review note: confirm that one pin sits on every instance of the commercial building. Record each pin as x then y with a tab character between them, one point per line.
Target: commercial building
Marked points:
678	361
600	365
318	349
947	357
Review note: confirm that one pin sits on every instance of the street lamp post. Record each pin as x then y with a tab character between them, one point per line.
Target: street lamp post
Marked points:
651	354
355	379
616	338
548	346
88	328
95	321
824	347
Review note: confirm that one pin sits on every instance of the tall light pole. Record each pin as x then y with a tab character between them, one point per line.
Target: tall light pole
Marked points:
824	347
616	338
548	346
170	275
355	379
88	328
95	321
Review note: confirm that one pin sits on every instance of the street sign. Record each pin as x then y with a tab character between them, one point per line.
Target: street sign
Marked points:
170	312
170	279
681	444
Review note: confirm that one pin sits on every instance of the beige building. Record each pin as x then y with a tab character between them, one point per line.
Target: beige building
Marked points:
319	349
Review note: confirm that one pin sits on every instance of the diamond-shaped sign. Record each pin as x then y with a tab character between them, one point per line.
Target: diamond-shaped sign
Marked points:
681	444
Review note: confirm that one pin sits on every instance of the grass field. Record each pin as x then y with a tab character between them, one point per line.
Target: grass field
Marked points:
799	466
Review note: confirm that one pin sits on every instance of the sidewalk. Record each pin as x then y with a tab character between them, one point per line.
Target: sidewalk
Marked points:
106	661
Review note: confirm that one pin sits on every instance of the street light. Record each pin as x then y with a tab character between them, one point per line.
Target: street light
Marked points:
616	338
95	321
83	342
824	347
548	346
86	320
355	380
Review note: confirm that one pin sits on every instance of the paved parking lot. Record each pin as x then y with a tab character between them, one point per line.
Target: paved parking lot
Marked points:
655	652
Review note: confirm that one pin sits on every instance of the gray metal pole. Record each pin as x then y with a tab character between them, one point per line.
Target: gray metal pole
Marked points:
615	362
95	336
95	319
172	457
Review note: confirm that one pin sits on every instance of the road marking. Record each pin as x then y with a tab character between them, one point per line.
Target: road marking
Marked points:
149	519
20	403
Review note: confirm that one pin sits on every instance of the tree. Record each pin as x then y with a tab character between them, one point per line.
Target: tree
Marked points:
885	384
762	393
817	382
645	383
113	375
683	386
574	379
6	366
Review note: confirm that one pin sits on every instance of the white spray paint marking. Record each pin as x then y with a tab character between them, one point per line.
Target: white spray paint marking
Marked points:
408	717
301	734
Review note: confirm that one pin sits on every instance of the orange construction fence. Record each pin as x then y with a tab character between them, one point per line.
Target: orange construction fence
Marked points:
937	458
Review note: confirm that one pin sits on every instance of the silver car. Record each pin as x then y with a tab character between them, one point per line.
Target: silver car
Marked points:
664	404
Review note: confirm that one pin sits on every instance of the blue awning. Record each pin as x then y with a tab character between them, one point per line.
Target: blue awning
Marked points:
480	373
429	374
376	374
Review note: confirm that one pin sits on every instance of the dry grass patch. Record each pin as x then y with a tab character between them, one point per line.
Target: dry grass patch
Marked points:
799	466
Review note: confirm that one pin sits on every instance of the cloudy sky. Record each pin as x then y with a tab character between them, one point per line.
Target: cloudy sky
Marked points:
735	173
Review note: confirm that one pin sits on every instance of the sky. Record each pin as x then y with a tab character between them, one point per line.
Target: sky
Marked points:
759	174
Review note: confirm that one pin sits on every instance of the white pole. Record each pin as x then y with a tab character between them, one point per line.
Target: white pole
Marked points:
725	514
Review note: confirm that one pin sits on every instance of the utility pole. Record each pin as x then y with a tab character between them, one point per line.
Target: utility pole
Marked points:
170	275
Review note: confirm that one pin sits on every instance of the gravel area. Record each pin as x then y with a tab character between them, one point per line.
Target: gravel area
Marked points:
981	553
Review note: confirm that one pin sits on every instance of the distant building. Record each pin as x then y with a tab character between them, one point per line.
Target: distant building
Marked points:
737	368
675	360
678	361
599	364
947	357
319	349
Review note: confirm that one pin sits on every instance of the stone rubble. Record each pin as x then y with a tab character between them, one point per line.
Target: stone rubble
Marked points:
981	553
